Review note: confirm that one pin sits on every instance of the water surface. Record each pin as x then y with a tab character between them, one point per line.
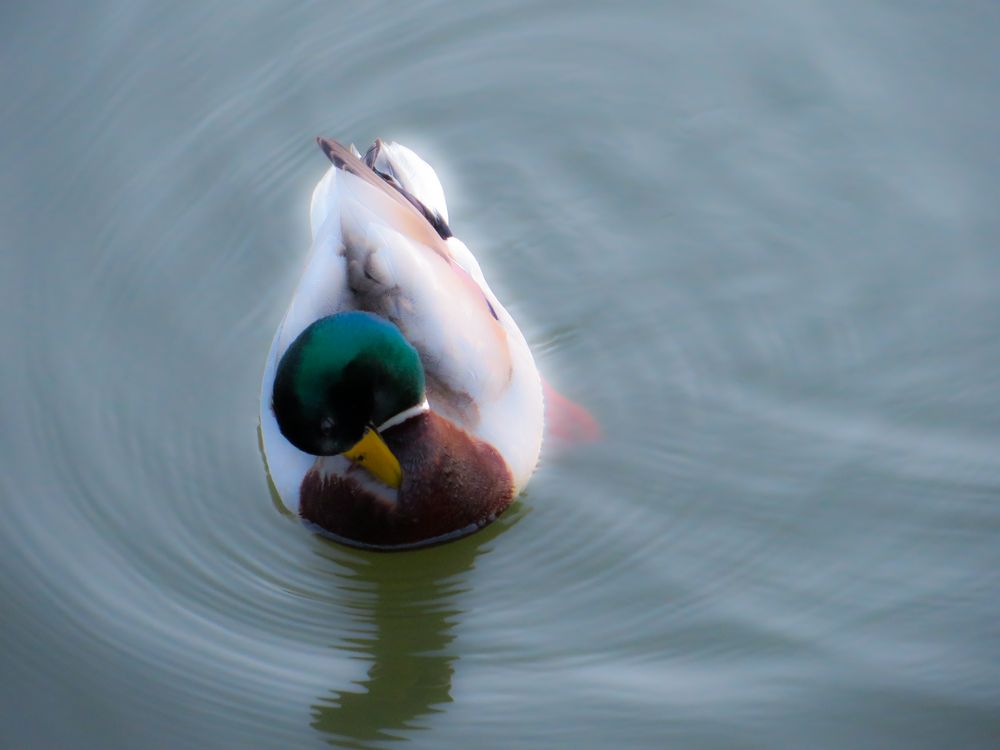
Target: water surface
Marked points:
759	241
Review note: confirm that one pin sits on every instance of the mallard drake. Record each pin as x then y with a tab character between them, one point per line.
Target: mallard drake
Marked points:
400	405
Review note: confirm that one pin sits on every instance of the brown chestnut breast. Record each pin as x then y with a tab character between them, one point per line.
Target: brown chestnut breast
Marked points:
453	484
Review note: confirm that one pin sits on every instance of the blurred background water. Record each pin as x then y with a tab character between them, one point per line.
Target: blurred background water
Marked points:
758	240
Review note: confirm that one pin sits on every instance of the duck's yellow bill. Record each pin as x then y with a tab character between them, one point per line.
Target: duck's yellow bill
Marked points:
372	453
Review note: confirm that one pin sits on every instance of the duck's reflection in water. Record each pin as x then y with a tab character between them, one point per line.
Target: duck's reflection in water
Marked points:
407	606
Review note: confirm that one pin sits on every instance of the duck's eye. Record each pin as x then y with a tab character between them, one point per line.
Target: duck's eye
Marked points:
326	426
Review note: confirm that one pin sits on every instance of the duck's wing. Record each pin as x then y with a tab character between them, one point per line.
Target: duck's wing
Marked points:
402	207
398	266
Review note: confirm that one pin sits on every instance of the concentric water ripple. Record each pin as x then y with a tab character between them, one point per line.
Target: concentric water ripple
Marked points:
757	244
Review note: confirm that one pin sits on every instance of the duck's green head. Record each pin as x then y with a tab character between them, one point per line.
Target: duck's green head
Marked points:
344	374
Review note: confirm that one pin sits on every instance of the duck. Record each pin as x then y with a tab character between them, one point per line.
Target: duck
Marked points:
400	404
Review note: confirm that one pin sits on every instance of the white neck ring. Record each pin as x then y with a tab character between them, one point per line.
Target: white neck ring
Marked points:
413	411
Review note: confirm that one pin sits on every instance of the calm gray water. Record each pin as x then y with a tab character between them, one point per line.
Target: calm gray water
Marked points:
758	240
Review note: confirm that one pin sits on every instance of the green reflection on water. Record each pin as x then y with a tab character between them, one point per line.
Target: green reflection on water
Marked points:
407	606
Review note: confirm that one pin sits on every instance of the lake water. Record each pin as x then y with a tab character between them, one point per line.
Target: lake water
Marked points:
760	241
